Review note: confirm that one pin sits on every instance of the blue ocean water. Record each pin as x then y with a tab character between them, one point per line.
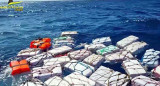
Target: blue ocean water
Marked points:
91	18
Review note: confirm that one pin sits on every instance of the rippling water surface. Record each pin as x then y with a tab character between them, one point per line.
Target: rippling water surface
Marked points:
92	19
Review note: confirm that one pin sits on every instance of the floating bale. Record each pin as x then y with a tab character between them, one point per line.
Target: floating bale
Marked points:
104	40
76	79
119	56
127	41
32	82
144	81
69	33
56	81
108	77
136	47
45	72
156	72
60	50
72	45
94	60
94	47
108	50
151	58
19	67
63	41
133	68
29	52
38	59
79	54
63	38
79	67
54	61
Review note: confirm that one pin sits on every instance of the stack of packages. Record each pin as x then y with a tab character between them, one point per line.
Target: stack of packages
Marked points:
66	39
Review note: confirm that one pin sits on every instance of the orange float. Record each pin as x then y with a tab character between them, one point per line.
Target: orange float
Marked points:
42	43
19	67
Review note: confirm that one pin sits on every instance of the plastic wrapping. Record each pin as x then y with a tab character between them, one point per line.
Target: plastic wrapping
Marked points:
136	47
133	68
80	67
94	47
151	58
45	72
127	41
29	52
76	79
56	81
54	61
108	77
144	81
104	40
69	33
108	50
79	54
94	60
33	82
156	72
119	56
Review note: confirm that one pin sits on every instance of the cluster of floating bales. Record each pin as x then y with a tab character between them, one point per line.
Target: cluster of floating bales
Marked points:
84	65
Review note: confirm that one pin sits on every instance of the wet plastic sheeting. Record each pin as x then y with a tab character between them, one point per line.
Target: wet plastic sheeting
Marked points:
156	72
119	56
63	38
79	54
94	47
127	41
76	79
60	50
54	61
108	77
94	60
32	82
133	68
80	67
136	47
29	52
56	81
151	58
72	45
45	72
144	81
104	40
38	59
108	50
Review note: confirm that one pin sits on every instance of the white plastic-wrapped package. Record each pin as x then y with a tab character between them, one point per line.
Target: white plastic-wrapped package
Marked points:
94	60
108	50
32	82
45	72
104	40
72	45
133	68
38	59
63	38
108	77
144	81
76	79
80	67
156	72
29	52
127	41
64	41
136	47
54	61
79	54
151	58
94	47
60	50
69	33
119	56
56	81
